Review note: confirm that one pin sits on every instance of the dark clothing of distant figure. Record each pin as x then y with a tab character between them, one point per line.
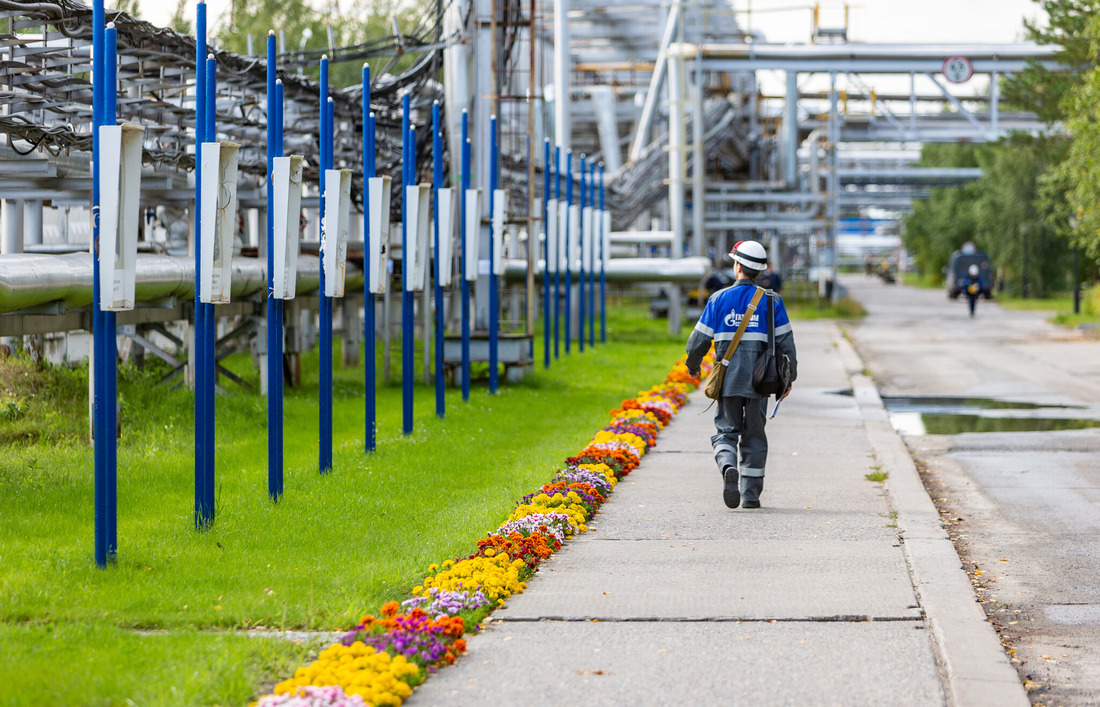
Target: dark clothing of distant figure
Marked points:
740	417
973	289
770	280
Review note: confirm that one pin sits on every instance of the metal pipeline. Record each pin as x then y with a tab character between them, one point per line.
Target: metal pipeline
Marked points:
691	270
30	280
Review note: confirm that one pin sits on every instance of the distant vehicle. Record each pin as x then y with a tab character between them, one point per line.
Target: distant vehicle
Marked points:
960	263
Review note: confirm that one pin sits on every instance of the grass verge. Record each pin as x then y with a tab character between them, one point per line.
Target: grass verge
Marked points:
334	547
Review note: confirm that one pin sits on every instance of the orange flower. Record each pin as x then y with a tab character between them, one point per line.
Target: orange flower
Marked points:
390	608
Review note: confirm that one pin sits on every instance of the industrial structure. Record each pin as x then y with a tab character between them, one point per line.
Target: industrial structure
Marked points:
689	131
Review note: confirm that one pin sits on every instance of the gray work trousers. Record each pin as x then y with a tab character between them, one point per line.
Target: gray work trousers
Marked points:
740	421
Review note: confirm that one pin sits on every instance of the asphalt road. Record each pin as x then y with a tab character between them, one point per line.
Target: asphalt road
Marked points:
1022	507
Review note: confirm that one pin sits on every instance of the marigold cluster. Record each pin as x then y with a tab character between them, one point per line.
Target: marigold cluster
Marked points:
531	549
379	678
498	577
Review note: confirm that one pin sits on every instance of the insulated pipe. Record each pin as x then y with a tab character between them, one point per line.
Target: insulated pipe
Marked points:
649	108
1020	51
562	59
32	223
679	270
30	280
790	132
13	227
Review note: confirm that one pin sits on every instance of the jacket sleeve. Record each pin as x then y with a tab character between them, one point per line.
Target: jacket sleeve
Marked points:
699	342
784	337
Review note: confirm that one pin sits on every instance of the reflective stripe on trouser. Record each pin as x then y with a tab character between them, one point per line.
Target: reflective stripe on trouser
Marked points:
740	423
751	488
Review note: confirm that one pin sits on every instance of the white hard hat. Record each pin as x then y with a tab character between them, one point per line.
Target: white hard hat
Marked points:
973	271
750	254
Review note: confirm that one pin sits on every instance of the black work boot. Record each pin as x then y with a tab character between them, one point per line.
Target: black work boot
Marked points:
730	493
751	487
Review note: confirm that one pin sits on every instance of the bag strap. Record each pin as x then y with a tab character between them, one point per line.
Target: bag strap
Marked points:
743	325
771	325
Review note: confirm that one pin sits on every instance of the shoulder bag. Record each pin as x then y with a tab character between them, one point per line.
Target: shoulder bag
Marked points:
712	387
772	373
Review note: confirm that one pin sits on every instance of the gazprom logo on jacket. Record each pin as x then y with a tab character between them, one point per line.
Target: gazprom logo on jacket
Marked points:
733	319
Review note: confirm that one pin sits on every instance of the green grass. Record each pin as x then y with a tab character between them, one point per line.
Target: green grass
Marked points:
877	476
844	308
1037	304
927	281
99	664
334	547
1061	306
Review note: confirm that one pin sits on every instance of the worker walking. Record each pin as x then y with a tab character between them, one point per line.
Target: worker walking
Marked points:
973	287
741	412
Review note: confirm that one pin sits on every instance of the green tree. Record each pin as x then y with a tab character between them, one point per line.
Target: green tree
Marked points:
307	28
130	7
941	224
1014	223
1043	91
179	22
1012	212
1078	176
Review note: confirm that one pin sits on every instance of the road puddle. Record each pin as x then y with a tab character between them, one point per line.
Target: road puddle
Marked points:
944	415
948	416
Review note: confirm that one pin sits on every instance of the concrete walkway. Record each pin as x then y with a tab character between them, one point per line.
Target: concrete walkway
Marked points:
673	599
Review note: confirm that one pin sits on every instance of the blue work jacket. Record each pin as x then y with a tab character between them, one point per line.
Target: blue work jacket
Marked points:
719	323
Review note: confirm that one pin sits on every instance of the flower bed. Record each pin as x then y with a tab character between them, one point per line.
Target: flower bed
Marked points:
381	660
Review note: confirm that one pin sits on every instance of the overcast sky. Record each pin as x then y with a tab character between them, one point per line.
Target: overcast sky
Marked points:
962	21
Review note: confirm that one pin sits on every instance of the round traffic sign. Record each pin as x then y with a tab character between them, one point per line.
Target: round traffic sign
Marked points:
957	69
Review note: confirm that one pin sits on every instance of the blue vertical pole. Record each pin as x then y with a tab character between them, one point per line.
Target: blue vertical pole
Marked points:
592	235
546	334
209	358
465	282
568	251
385	237
274	365
580	270
437	179
198	364
557	266
275	360
325	411
494	315
603	268
408	177
370	399
99	424
110	356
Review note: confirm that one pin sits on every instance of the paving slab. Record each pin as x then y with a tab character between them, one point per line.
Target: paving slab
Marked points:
626	663
721	579
672	598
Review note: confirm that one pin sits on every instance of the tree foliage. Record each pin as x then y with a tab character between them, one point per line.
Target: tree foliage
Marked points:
1020	210
1079	174
1003	213
305	27
1043	91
